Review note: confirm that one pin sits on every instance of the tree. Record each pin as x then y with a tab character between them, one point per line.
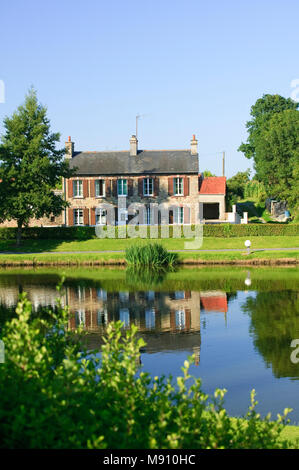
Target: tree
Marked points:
277	156
207	174
235	187
273	144
31	166
262	111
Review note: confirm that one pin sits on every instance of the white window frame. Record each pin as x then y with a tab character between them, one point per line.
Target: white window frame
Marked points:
121	184
178	186
97	187
78	188
101	217
178	215
78	217
180	319
148	186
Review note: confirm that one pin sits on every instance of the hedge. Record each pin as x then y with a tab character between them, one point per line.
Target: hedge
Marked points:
217	230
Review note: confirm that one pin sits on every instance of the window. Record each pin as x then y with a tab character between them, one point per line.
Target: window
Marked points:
78	188
122	189
148	216
178	187
180	319
150	318
148	187
100	188
179	294
80	318
102	317
78	217
178	215
101	217
124	316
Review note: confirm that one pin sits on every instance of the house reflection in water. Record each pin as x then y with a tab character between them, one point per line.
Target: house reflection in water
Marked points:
167	321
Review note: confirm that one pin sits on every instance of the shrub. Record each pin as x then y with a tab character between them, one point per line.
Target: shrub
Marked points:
55	394
209	230
152	254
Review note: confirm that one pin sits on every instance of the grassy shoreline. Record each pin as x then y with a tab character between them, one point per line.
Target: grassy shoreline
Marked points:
116	259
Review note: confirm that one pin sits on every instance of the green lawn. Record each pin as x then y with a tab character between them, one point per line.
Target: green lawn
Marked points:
116	244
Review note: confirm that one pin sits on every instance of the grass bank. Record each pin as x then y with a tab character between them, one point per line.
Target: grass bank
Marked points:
102	259
116	244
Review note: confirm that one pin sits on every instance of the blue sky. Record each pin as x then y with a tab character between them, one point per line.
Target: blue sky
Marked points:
190	67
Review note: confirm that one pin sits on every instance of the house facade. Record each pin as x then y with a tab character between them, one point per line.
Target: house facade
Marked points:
156	186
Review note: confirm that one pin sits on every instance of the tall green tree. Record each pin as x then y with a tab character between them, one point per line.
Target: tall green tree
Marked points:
273	134
31	166
262	112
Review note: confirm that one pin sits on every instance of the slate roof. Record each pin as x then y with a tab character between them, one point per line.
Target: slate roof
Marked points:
145	162
212	185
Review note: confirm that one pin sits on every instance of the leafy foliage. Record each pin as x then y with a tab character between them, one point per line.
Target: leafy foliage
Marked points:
31	166
235	187
55	394
273	143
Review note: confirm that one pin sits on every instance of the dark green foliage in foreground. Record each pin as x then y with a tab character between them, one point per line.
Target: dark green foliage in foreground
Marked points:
152	254
54	396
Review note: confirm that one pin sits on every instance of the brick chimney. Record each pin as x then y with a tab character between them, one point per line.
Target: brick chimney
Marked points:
194	142
69	148
133	145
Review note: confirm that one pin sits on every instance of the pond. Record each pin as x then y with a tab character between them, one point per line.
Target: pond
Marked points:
239	323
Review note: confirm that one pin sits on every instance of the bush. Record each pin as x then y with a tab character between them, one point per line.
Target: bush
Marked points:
152	254
55	394
213	230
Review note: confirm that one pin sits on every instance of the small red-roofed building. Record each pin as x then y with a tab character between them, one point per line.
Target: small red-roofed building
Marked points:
212	190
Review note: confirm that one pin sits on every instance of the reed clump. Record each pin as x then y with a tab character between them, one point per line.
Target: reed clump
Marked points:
151	254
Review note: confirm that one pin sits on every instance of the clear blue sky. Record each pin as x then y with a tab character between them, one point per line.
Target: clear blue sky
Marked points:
189	66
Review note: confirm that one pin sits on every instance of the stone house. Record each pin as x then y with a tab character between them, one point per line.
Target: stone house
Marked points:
161	186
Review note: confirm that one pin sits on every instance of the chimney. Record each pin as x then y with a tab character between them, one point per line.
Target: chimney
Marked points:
69	148
133	145
194	150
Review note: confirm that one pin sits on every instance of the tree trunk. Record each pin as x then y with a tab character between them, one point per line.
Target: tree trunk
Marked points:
19	232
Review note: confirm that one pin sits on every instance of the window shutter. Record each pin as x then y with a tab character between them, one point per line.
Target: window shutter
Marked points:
172	320
170	217
187	294
92	188
108	188
187	318
114	188
156	186
92	216
70	217
130	187
186	215
140	187
186	186
170	186
70	188
85	188
85	216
